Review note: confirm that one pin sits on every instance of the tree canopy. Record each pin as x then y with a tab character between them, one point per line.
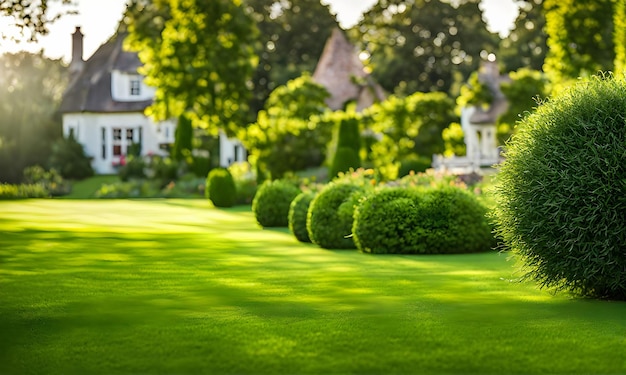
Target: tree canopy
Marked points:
525	46
31	87
31	17
580	38
200	57
423	45
291	39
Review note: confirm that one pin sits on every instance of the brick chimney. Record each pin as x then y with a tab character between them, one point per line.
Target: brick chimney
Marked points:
76	65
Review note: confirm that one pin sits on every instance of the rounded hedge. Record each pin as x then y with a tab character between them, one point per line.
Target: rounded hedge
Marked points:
271	203
561	191
297	216
438	220
329	219
220	188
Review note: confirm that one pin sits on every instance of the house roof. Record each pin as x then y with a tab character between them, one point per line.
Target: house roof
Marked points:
342	73
90	90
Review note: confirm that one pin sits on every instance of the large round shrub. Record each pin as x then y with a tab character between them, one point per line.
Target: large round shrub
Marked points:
271	203
297	216
220	188
439	220
329	220
561	191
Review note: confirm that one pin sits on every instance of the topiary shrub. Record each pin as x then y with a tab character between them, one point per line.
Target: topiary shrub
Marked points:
561	191
345	159
297	216
417	164
220	188
438	220
329	219
271	203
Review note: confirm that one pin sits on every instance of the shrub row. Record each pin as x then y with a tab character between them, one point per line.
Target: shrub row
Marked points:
24	191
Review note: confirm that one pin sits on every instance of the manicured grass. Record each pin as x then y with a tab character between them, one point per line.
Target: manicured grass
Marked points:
87	188
179	287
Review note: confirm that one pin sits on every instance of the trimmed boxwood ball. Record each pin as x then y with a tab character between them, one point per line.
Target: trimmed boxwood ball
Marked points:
438	220
560	193
297	216
329	220
220	188
271	203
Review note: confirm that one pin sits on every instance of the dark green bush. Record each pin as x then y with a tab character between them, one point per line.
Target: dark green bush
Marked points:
51	180
329	220
134	168
220	188
271	203
297	216
417	164
69	158
438	220
561	191
345	159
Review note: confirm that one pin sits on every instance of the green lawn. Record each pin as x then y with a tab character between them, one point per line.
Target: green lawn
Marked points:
178	287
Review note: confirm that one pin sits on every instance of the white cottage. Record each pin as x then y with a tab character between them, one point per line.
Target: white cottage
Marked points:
104	105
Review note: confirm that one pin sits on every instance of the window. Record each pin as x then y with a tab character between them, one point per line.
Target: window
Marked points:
129	140
135	87
117	141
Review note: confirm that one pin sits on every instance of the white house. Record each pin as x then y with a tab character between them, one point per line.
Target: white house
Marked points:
104	105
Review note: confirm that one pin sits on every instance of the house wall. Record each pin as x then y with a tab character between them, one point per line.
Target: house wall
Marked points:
231	151
103	135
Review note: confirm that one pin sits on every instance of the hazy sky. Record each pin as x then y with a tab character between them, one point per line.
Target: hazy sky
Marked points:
98	22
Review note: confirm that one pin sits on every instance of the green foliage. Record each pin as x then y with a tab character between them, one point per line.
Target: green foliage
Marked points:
272	201
409	126
23	191
345	160
31	87
220	188
297	216
290	134
580	38
329	219
129	189
438	220
51	180
245	181
68	157
199	55
454	140
183	138
619	35
474	92
133	168
526	88
163	169
560	192
291	40
525	46
423	45
413	164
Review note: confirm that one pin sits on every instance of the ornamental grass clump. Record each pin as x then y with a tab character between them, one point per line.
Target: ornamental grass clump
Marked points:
561	192
436	220
272	201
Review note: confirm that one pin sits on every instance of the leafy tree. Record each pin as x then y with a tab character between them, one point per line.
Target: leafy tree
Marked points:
31	17
410	127
525	46
290	133
200	57
31	87
292	37
580	38
423	45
